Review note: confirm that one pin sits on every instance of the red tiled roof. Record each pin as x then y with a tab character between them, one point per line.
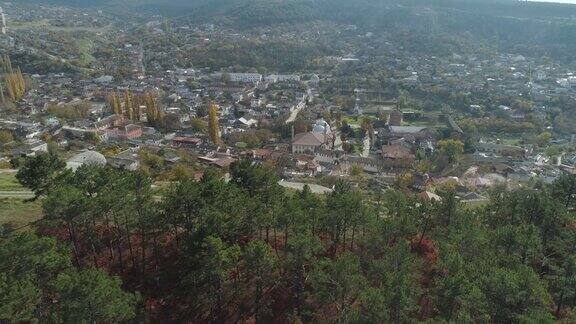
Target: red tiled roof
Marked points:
311	139
187	139
396	152
224	163
261	153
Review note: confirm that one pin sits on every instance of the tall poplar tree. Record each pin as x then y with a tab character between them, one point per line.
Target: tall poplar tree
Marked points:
213	125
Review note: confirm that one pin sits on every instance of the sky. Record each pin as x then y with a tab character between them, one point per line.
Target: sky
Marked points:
558	1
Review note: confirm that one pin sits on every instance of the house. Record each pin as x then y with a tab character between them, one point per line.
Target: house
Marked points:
273	78
410	133
186	142
81	133
501	149
430	196
258	155
247	121
472	197
110	121
239	77
128	160
308	143
368	164
223	162
406	130
395	118
127	132
31	147
397	156
328	156
314	79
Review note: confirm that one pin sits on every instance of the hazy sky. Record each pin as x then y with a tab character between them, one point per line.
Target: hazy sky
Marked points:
560	1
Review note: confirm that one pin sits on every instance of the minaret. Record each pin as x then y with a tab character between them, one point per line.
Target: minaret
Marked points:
2	21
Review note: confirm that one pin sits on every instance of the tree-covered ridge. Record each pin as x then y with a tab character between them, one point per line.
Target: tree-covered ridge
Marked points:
248	250
529	28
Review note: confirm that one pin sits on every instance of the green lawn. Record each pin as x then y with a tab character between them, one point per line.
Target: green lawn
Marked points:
8	182
16	213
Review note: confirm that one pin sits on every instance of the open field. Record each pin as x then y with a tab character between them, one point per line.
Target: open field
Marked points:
16	213
8	182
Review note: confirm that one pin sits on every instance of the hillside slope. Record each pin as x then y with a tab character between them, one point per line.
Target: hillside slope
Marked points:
531	28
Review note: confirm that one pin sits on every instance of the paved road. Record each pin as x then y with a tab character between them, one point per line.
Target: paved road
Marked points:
294	114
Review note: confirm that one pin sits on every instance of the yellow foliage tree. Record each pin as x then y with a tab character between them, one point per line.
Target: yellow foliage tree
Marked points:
153	113
114	103
128	105
213	126
16	85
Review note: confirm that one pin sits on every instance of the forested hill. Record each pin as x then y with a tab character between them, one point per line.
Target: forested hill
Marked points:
528	28
330	9
522	27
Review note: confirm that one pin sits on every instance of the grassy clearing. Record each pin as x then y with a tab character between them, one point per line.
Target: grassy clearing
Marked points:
8	182
16	213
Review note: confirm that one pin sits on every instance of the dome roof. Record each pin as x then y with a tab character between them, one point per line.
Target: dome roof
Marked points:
321	127
86	158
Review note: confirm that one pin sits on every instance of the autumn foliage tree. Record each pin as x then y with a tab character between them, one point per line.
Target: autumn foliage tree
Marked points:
114	103
13	79
16	85
154	114
213	125
128	105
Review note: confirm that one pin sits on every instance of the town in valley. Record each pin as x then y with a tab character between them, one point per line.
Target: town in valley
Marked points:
228	111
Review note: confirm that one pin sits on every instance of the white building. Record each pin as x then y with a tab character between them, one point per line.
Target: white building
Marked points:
90	158
240	77
273	78
31	147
